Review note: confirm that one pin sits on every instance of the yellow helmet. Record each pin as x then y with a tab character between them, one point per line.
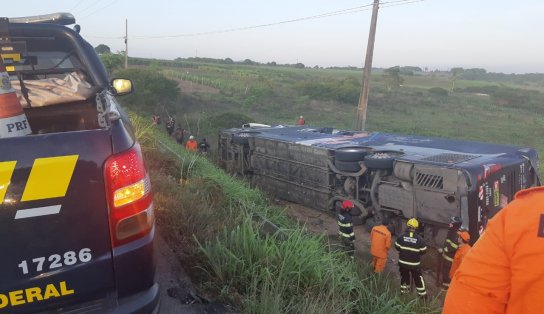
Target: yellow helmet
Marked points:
413	223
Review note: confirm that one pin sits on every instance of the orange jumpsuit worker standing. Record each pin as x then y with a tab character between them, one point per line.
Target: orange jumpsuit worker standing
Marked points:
463	249
380	243
191	144
504	270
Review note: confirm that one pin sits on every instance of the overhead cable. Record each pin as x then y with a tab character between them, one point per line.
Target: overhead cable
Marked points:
102	8
357	9
89	6
75	6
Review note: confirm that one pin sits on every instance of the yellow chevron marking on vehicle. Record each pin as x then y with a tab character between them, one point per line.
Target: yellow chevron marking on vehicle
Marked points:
6	170
49	177
14	56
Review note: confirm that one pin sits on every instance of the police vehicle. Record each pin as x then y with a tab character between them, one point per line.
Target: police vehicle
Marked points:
76	210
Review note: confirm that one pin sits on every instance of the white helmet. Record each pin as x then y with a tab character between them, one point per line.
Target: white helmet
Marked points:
191	137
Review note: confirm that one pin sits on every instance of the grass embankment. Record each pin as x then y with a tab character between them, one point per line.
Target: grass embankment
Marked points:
208	218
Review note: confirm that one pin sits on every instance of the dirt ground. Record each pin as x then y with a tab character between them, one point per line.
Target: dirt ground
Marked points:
320	222
178	293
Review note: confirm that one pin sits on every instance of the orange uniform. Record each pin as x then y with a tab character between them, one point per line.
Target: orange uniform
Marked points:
380	243
459	255
191	145
504	271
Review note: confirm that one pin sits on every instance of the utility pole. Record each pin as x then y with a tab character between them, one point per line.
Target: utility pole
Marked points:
126	43
363	96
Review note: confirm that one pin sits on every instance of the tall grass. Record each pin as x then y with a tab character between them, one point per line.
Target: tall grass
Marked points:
299	275
209	218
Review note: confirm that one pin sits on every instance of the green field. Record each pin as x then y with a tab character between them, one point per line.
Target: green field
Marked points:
497	112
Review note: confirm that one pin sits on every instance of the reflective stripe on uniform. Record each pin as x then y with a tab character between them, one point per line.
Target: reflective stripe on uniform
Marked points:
447	258
422	290
453	245
345	225
346	235
409	248
408	263
422	282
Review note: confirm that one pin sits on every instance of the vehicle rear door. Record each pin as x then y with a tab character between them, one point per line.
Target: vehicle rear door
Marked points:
54	228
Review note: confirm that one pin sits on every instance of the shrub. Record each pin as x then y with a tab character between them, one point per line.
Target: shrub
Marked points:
345	91
439	91
151	88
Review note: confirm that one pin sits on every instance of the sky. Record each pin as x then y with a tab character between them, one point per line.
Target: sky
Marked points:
498	35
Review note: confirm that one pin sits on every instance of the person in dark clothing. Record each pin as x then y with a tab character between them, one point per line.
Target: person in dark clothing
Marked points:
178	135
411	246
203	146
170	124
156	119
448	250
345	227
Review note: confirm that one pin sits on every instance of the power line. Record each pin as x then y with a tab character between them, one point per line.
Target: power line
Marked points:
75	6
96	11
106	37
90	6
403	3
345	11
357	9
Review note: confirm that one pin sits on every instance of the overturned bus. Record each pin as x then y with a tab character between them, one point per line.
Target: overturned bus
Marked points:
385	175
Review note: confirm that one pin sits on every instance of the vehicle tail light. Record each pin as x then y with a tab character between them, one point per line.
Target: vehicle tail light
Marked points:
129	196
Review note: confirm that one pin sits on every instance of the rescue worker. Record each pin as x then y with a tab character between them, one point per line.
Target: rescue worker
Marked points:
380	243
504	270
170	124
191	144
301	121
156	119
203	146
448	250
411	246
179	134
464	247
345	227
